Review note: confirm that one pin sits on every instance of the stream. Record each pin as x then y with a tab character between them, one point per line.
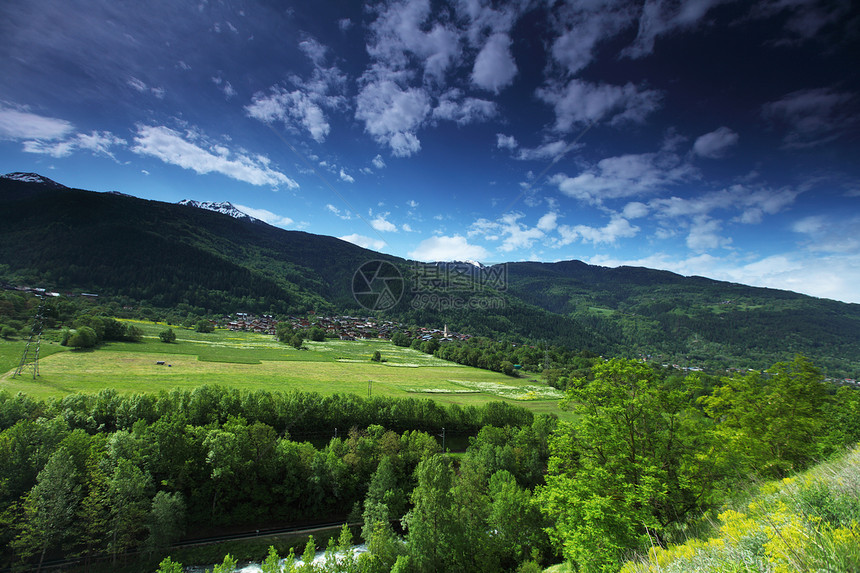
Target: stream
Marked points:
319	558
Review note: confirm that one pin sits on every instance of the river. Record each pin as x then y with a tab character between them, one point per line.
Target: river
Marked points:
319	558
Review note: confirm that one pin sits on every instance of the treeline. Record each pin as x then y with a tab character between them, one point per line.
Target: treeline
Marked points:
556	363
90	475
647	454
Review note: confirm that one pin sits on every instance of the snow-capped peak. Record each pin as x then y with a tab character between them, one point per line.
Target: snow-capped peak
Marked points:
33	178
224	207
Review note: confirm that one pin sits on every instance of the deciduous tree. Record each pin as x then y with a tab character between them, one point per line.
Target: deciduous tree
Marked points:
49	507
770	422
630	465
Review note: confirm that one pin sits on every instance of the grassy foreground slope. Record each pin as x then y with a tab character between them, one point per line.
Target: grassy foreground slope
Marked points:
808	522
251	361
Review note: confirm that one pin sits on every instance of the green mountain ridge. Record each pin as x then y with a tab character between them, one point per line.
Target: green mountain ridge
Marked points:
171	255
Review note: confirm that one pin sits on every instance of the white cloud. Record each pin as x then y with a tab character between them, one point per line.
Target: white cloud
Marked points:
812	117
404	30
141	87
617	228
494	67
97	142
364	242
583	26
548	222
314	51
716	143
625	176
809	225
506	141
21	124
347	178
136	84
54	149
582	102
407	228
169	146
548	151
635	210
705	235
378	162
753	203
659	18
380	223
408	37
346	215
448	248
829	235
453	107
225	86
412	203
391	115
266	216
304	105
513	233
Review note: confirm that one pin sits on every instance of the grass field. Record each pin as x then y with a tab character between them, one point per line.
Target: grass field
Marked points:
255	361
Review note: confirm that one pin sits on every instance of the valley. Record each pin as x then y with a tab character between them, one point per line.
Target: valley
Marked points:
253	361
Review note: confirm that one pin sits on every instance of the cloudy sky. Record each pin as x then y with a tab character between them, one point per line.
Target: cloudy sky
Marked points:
707	137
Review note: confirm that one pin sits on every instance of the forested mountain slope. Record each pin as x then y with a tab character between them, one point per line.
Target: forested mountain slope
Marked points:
168	254
658	312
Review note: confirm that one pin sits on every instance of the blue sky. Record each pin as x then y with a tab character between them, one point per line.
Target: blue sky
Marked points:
707	137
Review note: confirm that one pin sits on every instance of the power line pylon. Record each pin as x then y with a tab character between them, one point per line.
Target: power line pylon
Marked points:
30	359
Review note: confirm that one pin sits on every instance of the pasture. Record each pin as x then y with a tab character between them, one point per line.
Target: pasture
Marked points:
253	361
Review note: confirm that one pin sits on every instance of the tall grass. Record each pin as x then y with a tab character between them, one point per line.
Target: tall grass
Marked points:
806	523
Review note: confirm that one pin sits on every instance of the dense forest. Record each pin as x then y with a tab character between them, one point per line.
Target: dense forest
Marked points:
646	454
163	260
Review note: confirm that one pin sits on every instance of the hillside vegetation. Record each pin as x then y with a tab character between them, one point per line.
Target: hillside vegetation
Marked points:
806	522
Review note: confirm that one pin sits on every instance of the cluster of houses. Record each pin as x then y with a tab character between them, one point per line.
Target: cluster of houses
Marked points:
243	321
343	327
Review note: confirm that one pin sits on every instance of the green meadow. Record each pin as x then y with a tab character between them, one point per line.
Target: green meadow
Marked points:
253	361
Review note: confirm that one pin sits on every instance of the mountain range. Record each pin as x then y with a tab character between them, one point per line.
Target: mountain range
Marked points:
207	258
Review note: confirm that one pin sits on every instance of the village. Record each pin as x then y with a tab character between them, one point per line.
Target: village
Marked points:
342	327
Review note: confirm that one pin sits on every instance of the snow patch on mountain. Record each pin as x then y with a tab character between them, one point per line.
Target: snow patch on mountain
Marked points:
33	178
224	207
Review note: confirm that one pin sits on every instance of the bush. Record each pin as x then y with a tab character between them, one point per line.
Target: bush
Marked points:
205	326
84	337
133	333
167	336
